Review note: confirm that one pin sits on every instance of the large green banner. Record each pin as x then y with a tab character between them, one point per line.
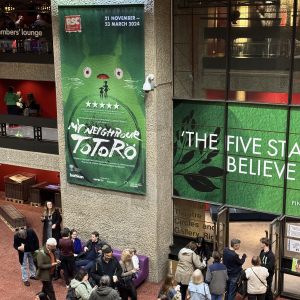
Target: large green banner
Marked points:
255	164
103	71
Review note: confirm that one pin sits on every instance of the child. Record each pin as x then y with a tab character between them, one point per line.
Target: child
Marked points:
135	259
167	289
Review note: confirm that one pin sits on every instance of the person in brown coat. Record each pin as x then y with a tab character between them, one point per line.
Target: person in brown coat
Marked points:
188	263
51	219
46	263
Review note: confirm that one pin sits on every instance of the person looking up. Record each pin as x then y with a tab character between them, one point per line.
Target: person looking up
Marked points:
267	258
216	277
234	266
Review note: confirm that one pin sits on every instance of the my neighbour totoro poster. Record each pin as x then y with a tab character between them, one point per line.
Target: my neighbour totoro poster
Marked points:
103	71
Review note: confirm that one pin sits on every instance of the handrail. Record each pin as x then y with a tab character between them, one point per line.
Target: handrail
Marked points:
28	121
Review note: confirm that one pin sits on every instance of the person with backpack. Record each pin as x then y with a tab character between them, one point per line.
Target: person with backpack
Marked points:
80	288
257	280
104	291
106	264
46	262
26	242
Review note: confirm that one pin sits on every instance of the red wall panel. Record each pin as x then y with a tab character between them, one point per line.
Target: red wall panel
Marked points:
41	175
44	93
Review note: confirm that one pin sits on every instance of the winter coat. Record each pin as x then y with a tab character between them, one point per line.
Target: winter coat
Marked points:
11	98
188	263
97	272
104	293
44	263
56	219
33	242
83	289
199	291
216	277
99	245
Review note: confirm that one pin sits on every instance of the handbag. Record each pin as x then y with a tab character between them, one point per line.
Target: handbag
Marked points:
260	279
81	256
124	282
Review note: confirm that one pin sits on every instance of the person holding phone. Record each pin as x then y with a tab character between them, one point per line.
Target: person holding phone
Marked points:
46	263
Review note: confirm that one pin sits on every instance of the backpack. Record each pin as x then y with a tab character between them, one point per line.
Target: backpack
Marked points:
71	294
34	256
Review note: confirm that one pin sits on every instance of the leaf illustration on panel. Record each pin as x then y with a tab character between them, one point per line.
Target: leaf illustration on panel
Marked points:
200	183
187	157
175	192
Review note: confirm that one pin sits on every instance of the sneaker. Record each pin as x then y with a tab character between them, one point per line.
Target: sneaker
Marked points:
27	283
32	277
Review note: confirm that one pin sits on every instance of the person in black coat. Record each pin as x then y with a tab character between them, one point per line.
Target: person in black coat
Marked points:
106	264
52	219
202	249
26	242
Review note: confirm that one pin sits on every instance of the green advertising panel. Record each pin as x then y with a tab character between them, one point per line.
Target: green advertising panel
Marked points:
255	164
103	71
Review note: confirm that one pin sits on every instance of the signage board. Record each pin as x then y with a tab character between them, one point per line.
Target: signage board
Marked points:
103	71
255	162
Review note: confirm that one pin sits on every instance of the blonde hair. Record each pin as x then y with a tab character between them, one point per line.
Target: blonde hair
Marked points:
126	255
197	277
46	209
133	250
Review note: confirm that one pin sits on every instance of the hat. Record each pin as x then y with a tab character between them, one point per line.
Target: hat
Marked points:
106	249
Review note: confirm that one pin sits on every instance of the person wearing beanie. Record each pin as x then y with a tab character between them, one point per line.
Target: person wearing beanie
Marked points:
106	264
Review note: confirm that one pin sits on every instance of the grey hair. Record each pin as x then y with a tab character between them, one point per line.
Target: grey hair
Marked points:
23	233
235	242
51	241
105	281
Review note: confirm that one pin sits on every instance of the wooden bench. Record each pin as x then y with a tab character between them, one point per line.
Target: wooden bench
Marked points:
12	217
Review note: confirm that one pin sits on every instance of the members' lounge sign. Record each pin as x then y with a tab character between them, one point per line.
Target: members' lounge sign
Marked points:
24	33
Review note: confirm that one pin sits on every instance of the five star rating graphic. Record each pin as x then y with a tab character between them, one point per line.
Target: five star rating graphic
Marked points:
102	105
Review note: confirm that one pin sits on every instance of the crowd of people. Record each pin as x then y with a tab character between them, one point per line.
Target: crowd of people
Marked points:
196	281
109	278
98	275
16	104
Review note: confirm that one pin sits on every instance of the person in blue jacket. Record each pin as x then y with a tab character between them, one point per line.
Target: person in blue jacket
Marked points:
76	241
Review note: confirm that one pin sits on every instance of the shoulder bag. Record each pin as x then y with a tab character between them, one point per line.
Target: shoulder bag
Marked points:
124	282
260	279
